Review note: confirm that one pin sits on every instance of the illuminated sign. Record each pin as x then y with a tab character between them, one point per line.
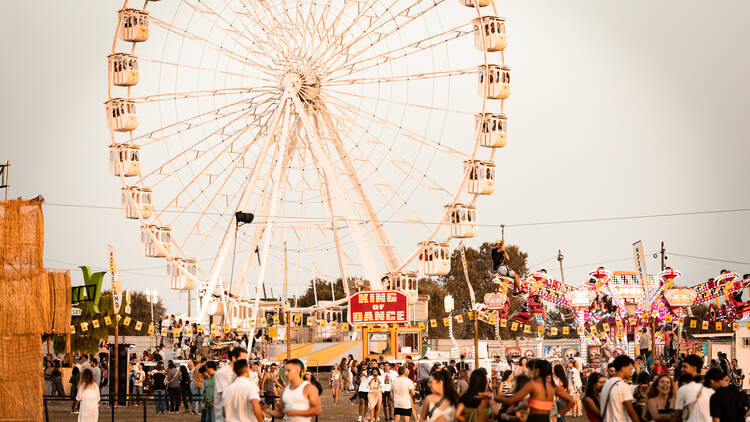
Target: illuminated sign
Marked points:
378	307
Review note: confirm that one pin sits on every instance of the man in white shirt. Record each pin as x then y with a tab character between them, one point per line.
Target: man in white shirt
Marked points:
222	379
241	398
165	323
255	372
616	399
402	390
693	395
386	380
362	391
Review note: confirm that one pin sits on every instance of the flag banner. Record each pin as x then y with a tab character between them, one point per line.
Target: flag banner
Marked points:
107	321
540	330
95	323
345	326
115	277
164	332
503	323
527	329
138	326
566	331
704	325
694	323
514	326
433	323
553	331
126	321
446	322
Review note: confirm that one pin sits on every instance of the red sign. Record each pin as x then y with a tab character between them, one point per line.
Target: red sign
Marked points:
378	307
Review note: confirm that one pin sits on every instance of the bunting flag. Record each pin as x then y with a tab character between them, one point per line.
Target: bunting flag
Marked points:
514	326
126	321
718	325
420	324
433	323
151	329
565	330
272	332
138	326
446	321
107	321
527	329
704	326
95	323
164	332
460	319
694	323
297	318
540	330
605	327
503	322
275	320
552	330
345	326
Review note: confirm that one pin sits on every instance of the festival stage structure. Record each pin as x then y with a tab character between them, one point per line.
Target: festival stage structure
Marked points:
320	125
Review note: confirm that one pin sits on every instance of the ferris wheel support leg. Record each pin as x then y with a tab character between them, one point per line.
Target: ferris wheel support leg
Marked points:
386	248
371	270
225	241
260	229
276	174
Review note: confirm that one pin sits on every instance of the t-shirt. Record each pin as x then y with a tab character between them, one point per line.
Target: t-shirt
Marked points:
364	384
238	400
727	404
138	376
614	393
223	378
401	396
159	380
687	394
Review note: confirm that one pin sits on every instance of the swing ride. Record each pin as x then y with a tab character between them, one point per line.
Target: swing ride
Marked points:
324	119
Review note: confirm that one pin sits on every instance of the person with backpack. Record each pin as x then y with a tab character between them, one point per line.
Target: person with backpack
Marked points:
616	399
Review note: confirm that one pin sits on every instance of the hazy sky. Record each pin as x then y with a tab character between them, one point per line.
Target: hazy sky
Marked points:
617	109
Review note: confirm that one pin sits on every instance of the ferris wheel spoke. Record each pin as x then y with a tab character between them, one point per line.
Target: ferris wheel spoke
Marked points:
408	104
401	78
167	96
344	105
330	30
193	149
403	18
203	171
205	69
403	52
386	247
198	120
230	54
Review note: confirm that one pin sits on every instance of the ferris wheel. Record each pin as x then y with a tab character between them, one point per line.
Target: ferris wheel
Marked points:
361	134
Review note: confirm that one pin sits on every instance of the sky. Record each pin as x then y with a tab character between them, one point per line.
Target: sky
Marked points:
617	109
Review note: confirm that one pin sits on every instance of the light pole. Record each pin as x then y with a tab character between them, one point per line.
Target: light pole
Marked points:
153	297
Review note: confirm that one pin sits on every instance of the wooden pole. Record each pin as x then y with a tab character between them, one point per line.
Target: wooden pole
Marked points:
475	314
288	336
117	360
653	320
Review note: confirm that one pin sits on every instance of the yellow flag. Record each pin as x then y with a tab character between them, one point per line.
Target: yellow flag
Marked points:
95	323
527	328
309	322
631	320
433	323
618	323
345	326
735	326
514	326
704	325
503	322
297	318
579	330
226	328
493	319
138	325
272	332
213	329
84	326
164	332
681	321
72	329
199	328
693	323
566	330
460	319
107	321
420	324
446	321
126	321
176	332
593	329
470	315
605	327
718	325
150	329
334	324
276	319
748	325
321	323
540	330
553	331
668	318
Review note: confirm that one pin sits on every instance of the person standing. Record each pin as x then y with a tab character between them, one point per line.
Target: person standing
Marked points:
591	401
727	403
403	391
207	414
75	376
87	398
645	343
374	396
159	380
440	404
173	386
269	386
690	396
335	383
223	378
576	387
616	399
300	401
660	404
138	377
241	398
362	392
185	392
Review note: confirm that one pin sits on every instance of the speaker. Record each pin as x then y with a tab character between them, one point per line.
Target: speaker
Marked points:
122	373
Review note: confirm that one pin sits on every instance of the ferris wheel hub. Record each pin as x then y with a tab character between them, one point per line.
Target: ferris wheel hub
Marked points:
306	85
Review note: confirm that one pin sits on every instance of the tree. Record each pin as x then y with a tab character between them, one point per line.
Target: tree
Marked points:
479	267
88	341
323	289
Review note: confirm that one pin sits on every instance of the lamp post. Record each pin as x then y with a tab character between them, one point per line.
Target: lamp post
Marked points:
153	297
